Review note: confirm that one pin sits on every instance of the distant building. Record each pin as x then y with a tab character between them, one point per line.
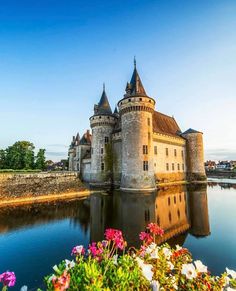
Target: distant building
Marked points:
144	146
210	165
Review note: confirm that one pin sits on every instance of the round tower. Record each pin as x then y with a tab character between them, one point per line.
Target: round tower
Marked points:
136	111
102	124
195	155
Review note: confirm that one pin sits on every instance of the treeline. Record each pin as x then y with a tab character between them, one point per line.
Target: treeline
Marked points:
21	156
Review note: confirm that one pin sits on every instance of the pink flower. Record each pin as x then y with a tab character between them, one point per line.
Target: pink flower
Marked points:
94	250
146	237
8	279
78	250
61	283
116	236
155	229
110	233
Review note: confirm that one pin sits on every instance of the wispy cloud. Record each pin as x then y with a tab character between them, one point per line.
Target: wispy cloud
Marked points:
220	154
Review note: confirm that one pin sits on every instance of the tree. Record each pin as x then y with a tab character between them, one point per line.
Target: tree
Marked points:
40	162
2	159
20	156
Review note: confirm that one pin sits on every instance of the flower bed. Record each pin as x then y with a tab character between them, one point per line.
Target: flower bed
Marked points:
109	265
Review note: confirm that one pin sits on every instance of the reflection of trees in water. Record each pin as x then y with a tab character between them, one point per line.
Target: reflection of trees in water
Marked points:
223	185
12	218
177	209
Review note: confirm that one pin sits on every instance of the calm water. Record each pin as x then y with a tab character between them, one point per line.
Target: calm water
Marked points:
35	237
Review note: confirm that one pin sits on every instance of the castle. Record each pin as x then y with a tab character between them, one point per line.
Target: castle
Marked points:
136	147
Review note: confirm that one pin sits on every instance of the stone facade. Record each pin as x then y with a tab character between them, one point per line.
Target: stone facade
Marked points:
135	146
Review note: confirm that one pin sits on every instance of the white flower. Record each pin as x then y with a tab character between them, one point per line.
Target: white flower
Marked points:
200	267
114	258
152	250
231	273
154	254
55	268
170	265
189	271
230	289
167	252
147	271
155	285
178	248
69	264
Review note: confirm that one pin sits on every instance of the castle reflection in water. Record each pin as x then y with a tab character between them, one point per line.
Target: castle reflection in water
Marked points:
179	210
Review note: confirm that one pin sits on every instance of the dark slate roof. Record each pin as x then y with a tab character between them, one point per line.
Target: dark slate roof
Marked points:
86	138
165	124
116	110
135	87
103	106
190	130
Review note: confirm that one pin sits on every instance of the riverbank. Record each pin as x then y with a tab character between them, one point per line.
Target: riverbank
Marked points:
21	188
221	174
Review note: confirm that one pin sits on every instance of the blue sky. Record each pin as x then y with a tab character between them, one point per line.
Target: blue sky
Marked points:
55	55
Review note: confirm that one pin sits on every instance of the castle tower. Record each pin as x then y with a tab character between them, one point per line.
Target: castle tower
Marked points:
136	110
195	155
102	123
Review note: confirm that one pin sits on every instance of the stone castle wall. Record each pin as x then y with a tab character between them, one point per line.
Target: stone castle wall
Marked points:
26	185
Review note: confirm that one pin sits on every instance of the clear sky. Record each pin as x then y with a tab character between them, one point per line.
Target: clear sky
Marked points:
55	55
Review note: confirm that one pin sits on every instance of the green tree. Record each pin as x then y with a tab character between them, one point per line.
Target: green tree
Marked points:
2	159
20	155
40	162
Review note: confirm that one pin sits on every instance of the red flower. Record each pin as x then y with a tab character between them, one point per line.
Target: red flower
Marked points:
61	283
146	237
155	229
116	236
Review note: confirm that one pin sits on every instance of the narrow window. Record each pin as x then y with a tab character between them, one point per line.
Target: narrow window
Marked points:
180	197
174	200
145	165
148	121
182	154
183	167
169	201
145	149
178	213
155	150
178	167
173	166
140	99
175	152
102	151
170	217
106	139
102	166
167	167
167	152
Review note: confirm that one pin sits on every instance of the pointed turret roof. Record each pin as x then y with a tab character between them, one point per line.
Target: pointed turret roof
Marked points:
116	110
135	87
103	106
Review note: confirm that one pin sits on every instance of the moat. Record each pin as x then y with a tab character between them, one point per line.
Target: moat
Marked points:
33	238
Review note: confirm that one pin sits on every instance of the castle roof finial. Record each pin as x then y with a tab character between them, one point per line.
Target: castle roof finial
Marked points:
103	86
134	62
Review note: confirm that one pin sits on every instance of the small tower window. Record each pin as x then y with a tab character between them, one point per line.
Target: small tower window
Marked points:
167	152
174	199
145	149
145	165
178	167
102	151
106	139
129	100
183	167
148	121
102	166
175	152
167	167
140	99
173	166
169	201
155	150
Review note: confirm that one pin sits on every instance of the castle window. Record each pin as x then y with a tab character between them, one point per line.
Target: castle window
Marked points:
102	166
106	139
145	165
129	100
175	152
155	150
108	117
140	99
150	101
102	151
183	167
180	197
167	152
173	166
100	117
178	213
149	135
174	199
170	217
167	167
145	149
148	121
178	167
182	154
169	201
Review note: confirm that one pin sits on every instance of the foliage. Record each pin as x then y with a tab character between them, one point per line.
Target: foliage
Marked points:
20	156
152	267
40	162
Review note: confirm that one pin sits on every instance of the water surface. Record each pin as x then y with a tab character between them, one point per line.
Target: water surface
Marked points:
35	237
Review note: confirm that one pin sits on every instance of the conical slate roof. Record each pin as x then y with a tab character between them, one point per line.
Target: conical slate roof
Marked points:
135	87
190	130
103	106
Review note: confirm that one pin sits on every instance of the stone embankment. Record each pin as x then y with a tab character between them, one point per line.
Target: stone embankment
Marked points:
221	174
22	188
